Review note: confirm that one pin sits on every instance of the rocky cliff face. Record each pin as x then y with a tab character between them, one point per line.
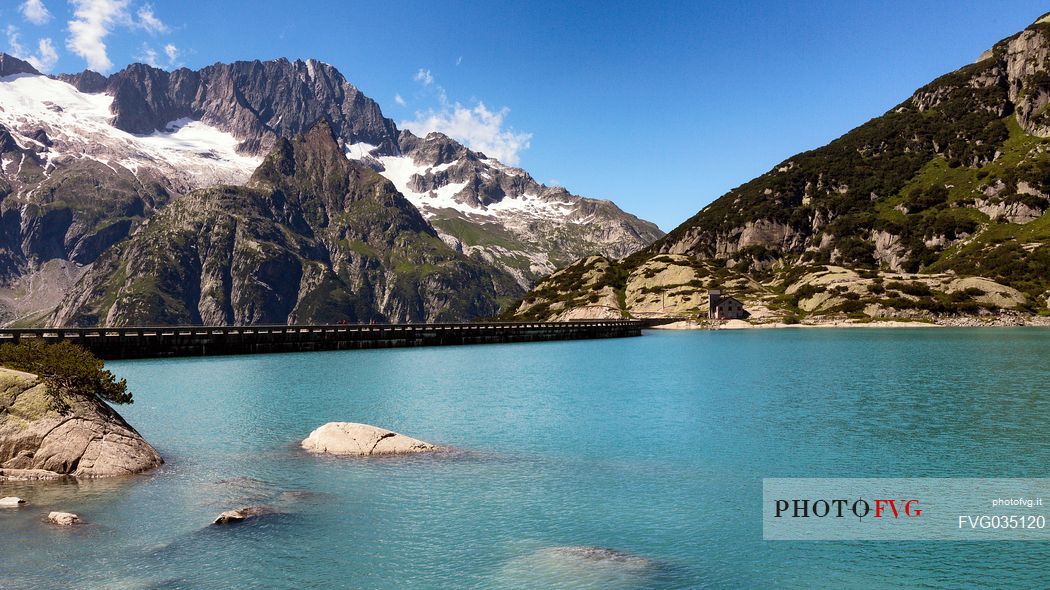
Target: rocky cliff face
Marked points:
955	179
255	101
87	439
313	238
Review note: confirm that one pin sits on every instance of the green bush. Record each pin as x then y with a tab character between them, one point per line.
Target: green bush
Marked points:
918	199
807	291
67	369
851	306
914	289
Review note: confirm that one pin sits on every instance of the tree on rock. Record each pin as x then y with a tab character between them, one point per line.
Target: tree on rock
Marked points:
66	368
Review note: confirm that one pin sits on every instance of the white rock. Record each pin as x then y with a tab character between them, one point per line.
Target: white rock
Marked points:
350	438
63	518
11	502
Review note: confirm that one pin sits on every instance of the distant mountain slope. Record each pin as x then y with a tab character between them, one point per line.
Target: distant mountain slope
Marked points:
955	180
86	159
313	238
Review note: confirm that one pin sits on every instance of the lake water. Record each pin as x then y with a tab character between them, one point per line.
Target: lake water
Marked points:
654	446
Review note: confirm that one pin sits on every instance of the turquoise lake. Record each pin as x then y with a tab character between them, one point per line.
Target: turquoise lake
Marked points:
653	446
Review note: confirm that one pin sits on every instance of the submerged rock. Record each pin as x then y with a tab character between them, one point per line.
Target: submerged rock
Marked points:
578	567
353	439
63	518
242	514
87	438
602	555
11	502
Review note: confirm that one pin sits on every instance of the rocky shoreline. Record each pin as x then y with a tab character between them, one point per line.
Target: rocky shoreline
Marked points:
1005	320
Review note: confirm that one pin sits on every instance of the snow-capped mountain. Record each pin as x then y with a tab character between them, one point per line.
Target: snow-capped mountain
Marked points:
88	160
499	212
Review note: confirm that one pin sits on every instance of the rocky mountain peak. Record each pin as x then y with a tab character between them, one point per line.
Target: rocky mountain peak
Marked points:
88	81
10	65
310	163
256	101
433	150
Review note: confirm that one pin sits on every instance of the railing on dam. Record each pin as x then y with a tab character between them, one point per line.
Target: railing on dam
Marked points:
160	341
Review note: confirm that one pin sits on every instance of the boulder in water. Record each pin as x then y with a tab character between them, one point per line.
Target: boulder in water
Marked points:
11	502
242	514
353	439
63	518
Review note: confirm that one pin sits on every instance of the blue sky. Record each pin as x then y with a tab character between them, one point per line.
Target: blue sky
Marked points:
660	106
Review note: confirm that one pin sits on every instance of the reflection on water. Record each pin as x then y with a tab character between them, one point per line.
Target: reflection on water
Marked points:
652	448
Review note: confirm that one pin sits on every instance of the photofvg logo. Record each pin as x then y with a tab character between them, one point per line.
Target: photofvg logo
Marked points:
904	509
843	508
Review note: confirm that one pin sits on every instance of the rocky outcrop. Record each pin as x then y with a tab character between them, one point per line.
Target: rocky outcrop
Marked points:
1027	63
87	438
12	502
362	440
242	514
63	518
1015	212
889	251
667	286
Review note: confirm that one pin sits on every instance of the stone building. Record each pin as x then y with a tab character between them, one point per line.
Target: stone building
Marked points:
724	307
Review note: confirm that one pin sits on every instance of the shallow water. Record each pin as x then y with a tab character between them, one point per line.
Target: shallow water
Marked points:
653	446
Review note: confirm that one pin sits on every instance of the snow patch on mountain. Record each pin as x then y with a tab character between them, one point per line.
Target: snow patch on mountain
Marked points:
402	171
191	153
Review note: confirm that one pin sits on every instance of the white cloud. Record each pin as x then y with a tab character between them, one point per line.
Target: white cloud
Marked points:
13	43
35	12
400	101
172	52
45	57
424	77
93	21
149	21
148	56
478	128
